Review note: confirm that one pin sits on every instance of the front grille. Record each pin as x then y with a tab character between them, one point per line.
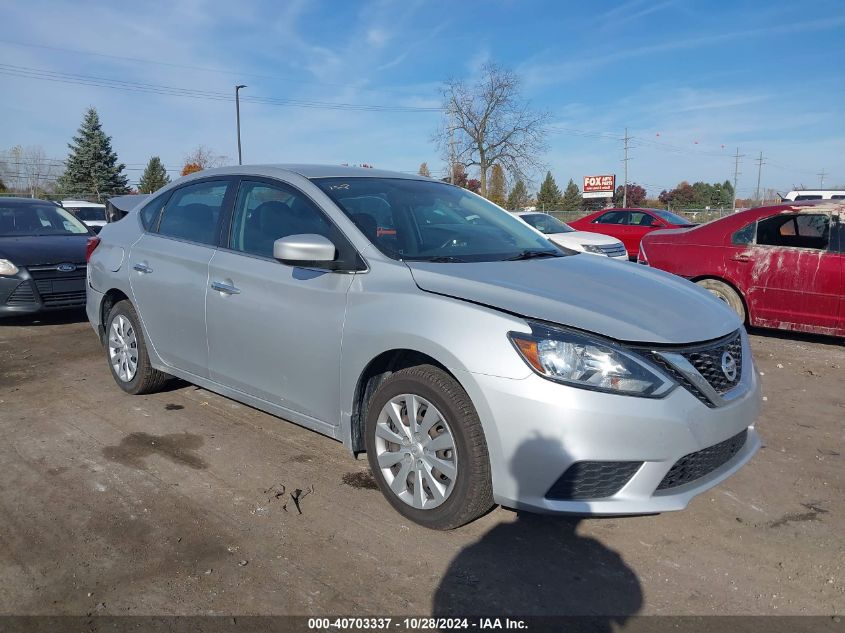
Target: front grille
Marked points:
697	465
613	250
592	480
22	295
58	289
707	361
681	379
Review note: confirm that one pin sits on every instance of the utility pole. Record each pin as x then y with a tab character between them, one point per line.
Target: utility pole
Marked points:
451	147
821	176
737	156
625	161
759	171
238	117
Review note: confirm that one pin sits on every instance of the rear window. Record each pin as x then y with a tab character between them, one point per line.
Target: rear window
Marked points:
671	218
89	214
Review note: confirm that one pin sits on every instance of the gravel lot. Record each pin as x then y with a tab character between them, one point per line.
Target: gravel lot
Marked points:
167	504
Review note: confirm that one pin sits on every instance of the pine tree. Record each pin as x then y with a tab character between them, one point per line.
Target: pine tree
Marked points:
91	166
496	188
424	170
572	200
549	194
518	197
154	176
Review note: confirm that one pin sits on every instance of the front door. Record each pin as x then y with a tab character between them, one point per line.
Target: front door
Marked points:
274	331
168	272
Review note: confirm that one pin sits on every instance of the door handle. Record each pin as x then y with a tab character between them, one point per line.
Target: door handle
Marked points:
225	288
741	258
141	267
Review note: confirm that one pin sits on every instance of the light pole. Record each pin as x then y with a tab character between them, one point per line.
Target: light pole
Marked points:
238	116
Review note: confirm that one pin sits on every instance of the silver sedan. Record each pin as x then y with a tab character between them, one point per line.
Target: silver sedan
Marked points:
469	357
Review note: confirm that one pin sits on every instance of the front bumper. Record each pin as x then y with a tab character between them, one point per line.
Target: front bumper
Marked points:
536	429
25	294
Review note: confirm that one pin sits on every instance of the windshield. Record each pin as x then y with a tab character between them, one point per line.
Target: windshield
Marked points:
89	214
546	224
670	217
430	221
38	219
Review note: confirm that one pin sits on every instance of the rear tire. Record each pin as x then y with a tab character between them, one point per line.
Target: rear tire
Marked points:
438	476
723	291
126	352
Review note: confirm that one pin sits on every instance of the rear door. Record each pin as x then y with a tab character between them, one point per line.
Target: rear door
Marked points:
168	269
794	276
274	330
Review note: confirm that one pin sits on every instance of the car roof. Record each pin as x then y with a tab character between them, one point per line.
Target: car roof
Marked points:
311	171
81	203
836	207
21	200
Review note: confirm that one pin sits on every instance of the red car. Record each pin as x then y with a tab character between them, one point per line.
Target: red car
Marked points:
629	225
779	267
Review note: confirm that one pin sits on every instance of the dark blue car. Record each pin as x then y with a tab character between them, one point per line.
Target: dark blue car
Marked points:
42	257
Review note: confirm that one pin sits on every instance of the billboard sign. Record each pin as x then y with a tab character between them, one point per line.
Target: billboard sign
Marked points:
599	186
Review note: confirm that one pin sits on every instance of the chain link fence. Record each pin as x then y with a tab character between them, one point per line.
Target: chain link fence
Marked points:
697	216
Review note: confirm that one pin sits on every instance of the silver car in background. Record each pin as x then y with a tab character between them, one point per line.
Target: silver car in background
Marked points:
472	360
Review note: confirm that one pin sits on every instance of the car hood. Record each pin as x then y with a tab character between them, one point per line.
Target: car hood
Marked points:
44	249
583	237
624	302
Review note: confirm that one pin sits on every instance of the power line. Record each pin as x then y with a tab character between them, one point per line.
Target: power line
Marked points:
41	74
238	73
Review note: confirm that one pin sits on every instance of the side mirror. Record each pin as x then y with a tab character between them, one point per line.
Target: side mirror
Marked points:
304	249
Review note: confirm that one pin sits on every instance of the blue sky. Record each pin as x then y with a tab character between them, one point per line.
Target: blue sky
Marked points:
692	81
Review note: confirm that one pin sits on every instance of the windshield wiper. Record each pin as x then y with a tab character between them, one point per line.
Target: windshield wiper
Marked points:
531	254
443	259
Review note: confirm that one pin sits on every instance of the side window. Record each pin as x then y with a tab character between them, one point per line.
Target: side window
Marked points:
803	230
613	217
745	235
265	213
192	212
641	219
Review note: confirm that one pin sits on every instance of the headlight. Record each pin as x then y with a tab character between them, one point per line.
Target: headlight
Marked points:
7	267
590	363
592	248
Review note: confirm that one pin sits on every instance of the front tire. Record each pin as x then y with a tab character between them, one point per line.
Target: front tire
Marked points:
427	450
723	291
126	352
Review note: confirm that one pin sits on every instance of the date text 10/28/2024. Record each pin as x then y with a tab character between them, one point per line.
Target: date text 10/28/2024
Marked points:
410	624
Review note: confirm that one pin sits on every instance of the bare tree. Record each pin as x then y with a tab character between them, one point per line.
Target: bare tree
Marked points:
205	158
490	122
38	170
27	169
